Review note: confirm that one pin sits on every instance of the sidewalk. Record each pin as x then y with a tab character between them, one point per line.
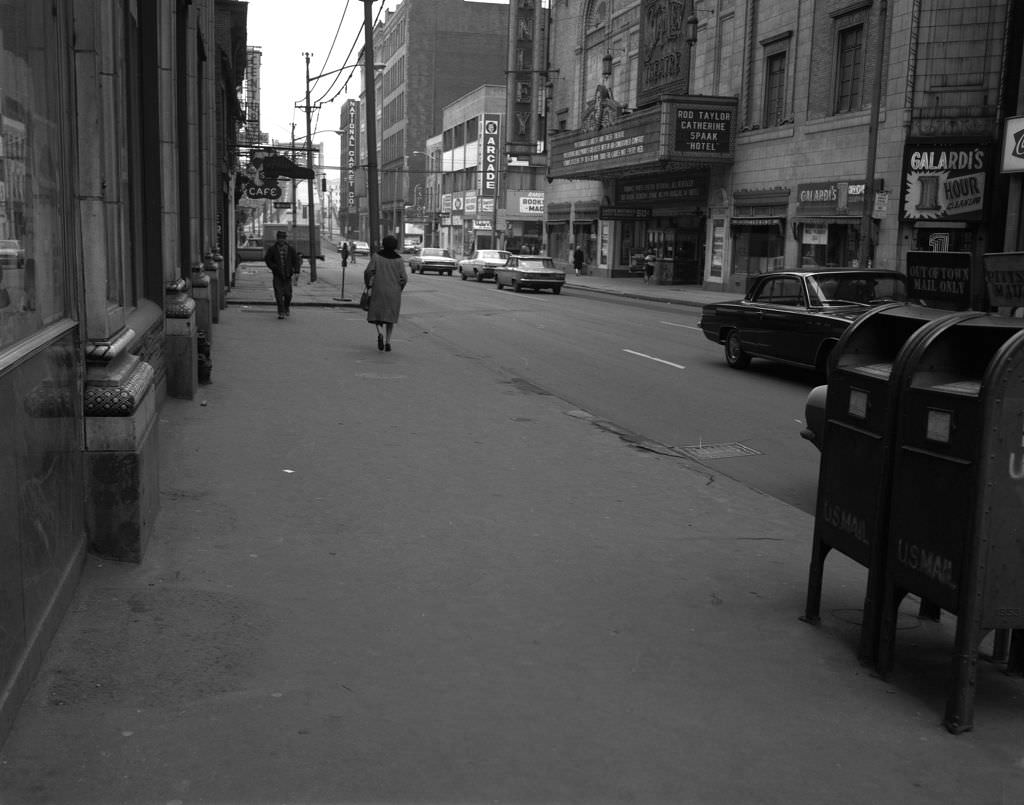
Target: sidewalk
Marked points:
411	578
253	286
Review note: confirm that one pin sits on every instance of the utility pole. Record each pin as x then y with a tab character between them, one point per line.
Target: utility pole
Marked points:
864	246
309	164
372	191
295	214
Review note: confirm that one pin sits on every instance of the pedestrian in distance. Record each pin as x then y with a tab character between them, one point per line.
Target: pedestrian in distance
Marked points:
352	252
649	259
283	261
344	255
386	277
577	260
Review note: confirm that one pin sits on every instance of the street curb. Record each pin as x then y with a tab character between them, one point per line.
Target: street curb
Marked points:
634	295
295	303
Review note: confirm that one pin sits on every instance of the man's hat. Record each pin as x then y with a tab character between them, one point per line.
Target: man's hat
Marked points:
282	235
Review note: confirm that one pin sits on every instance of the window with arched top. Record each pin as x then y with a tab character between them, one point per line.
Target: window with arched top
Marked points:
597	15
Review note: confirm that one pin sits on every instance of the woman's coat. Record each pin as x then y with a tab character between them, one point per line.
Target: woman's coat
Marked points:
388	276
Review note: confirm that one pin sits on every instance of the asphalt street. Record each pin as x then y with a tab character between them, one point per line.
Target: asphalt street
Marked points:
361	589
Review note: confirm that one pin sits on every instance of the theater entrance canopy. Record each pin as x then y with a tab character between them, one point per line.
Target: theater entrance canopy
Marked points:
676	134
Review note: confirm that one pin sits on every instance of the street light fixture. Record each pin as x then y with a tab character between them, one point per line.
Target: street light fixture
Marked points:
434	187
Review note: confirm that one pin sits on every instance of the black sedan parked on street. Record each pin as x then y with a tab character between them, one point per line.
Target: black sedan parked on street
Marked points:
797	317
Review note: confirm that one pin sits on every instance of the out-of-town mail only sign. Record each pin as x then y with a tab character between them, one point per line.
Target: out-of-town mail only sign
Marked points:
679	134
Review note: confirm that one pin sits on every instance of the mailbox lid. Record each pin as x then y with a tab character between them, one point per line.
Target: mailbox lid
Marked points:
871	344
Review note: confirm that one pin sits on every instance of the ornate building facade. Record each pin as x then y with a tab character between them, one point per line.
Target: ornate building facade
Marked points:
117	124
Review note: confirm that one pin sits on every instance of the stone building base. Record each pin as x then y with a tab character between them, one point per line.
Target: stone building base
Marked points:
122	469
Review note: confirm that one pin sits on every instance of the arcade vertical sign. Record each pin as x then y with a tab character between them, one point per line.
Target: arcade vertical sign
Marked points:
490	149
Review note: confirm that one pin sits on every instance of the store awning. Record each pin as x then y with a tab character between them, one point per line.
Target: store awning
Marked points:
845	220
758	223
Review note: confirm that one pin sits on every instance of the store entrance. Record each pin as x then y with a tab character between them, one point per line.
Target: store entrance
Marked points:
680	249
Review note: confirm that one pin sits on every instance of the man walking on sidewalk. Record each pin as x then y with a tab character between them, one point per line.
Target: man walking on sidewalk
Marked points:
283	261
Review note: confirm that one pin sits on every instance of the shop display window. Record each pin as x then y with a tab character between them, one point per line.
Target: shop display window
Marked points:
829	245
757	250
33	175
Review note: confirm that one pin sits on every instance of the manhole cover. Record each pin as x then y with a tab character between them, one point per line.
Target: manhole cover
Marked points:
704	452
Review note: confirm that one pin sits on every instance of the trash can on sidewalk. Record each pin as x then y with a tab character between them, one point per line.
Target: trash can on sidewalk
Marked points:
956	522
856	450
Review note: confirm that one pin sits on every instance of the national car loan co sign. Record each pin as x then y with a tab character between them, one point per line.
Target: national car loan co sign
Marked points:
490	153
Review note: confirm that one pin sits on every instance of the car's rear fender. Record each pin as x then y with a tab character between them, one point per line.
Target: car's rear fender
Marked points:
824	351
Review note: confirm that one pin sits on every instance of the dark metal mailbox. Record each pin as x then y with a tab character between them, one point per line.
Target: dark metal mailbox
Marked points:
856	451
956	520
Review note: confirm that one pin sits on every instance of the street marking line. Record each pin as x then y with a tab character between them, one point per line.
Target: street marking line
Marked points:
684	326
652	358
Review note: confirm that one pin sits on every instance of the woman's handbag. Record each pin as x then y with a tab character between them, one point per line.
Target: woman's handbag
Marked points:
364	299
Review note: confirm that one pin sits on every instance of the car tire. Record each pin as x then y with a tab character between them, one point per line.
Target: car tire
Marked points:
449	273
462	274
735	355
556	290
497	283
478	275
517	286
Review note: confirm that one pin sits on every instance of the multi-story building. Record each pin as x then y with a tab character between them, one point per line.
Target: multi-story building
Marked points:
433	52
117	130
736	137
479	195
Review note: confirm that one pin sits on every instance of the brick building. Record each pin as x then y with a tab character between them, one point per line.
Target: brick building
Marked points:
734	138
433	52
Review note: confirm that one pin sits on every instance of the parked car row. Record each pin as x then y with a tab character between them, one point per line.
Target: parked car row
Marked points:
516	271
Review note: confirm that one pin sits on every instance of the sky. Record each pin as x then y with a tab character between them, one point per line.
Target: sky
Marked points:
284	30
332	31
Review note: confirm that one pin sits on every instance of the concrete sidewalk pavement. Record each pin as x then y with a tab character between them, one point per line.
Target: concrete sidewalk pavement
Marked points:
363	589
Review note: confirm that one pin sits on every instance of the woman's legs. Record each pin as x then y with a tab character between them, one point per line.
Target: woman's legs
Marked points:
380	337
388	328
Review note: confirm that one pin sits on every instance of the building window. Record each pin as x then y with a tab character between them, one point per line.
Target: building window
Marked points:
34	210
775	90
849	69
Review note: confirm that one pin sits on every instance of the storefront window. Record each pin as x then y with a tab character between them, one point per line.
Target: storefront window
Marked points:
943	239
32	172
717	248
758	249
829	245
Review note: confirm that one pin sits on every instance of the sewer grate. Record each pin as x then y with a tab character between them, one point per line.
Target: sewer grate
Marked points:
704	452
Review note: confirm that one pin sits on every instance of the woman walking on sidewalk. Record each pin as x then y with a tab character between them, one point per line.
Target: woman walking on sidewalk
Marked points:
385	276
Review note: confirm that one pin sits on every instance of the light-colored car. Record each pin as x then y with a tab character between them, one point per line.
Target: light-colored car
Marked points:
430	258
360	247
535	271
11	254
480	265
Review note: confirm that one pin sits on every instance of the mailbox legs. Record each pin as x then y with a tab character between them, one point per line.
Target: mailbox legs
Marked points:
812	610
